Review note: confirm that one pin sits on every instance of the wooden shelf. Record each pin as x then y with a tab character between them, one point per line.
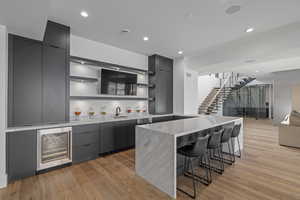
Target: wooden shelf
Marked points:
109	97
83	79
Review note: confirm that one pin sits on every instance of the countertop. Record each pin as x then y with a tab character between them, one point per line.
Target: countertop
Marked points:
96	120
187	126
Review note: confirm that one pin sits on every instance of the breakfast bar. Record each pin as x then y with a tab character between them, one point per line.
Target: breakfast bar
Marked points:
156	147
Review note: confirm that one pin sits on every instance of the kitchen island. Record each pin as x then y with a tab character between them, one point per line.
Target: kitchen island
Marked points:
156	147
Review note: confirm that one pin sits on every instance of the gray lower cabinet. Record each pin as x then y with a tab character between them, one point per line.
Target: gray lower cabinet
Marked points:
106	138
85	142
117	136
21	154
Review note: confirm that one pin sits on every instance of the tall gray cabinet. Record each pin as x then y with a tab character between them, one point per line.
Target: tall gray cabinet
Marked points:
160	85
38	78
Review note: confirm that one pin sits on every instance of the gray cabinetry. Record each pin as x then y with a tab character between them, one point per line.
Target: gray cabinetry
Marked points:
25	81
56	35
21	154
161	80
85	142
55	85
117	136
106	138
38	78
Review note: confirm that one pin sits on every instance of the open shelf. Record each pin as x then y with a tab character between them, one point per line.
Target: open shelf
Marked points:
83	79
109	97
142	84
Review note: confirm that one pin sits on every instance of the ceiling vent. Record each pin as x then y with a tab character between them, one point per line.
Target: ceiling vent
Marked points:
233	9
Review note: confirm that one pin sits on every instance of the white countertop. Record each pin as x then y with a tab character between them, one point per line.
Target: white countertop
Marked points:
97	120
187	126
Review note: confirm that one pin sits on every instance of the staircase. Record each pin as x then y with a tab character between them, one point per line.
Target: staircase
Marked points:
214	100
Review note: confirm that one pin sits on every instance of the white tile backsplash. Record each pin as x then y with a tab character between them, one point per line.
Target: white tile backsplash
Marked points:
108	106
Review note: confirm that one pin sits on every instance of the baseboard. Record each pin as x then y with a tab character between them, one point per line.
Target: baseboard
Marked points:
3	180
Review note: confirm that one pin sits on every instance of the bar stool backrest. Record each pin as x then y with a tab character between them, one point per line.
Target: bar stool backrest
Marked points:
226	135
215	139
236	130
200	147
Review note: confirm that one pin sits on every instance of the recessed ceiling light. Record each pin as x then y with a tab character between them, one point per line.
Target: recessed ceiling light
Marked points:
145	38
180	52
249	30
84	14
256	71
82	62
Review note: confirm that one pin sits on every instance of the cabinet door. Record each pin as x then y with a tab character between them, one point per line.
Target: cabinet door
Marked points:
57	35
25	81
131	133
121	135
21	154
54	85
107	142
164	95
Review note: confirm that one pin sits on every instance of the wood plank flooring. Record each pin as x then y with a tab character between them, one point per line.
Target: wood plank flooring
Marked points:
266	171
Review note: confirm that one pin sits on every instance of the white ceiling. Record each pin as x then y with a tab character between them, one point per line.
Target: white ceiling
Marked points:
198	27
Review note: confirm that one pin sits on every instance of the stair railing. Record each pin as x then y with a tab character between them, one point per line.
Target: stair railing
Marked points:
218	92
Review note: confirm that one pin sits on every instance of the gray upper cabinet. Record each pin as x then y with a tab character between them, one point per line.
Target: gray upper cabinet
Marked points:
56	53
21	154
57	35
38	87
25	81
55	85
161	76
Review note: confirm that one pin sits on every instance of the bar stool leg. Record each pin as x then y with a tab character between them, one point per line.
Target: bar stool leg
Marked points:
238	140
190	163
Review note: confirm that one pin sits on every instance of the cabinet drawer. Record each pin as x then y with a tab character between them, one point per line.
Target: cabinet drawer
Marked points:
84	138
86	128
85	152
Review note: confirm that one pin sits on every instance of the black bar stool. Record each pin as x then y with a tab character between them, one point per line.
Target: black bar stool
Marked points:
235	134
225	139
214	147
196	151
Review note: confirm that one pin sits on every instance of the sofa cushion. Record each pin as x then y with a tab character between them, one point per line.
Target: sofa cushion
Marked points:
295	118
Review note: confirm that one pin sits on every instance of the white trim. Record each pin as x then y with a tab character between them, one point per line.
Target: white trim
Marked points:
3	104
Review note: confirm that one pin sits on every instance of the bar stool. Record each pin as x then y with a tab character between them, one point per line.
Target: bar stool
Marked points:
225	139
235	134
196	151
214	147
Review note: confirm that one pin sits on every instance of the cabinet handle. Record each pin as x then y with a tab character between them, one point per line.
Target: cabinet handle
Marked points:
86	145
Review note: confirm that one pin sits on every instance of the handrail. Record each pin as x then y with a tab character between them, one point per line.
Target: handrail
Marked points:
221	88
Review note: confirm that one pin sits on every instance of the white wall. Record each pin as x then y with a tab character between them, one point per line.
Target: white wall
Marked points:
89	49
191	103
185	88
3	95
178	86
205	84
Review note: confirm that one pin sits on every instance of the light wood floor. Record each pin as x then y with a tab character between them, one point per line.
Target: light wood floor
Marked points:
266	171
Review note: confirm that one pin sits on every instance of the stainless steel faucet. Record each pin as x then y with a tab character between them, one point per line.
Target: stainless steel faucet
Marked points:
118	110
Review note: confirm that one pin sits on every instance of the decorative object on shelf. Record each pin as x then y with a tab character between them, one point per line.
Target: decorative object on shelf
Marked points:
91	113
77	113
103	110
137	109
129	110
